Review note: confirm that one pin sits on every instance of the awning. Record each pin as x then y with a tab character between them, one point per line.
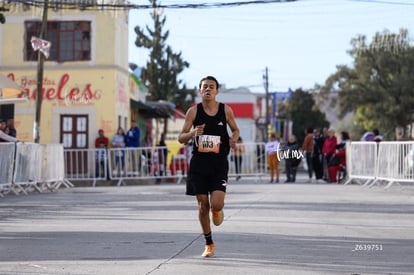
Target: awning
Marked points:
9	88
153	109
10	92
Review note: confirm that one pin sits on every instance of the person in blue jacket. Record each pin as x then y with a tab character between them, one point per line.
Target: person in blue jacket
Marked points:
132	141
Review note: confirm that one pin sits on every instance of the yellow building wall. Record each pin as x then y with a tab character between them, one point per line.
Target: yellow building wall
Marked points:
100	88
101	94
109	36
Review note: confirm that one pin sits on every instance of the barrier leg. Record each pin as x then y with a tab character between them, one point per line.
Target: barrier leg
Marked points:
67	183
373	183
391	183
19	189
121	182
348	181
370	182
37	188
180	178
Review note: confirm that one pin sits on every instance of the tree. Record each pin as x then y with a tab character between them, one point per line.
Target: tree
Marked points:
379	86
164	65
303	112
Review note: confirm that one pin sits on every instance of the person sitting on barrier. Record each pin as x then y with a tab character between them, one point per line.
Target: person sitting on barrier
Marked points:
337	163
118	142
101	157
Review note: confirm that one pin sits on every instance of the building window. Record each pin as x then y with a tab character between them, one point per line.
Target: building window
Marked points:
71	40
74	131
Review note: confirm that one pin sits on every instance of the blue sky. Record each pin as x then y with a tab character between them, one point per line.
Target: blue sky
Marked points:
300	42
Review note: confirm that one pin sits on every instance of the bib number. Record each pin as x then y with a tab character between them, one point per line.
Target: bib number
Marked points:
208	144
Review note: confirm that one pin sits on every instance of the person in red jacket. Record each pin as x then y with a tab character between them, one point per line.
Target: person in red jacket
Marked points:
328	150
101	139
338	162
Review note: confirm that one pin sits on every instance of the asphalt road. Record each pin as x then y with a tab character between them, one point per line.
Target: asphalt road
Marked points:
301	228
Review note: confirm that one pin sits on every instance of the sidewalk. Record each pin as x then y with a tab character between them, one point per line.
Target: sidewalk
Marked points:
301	228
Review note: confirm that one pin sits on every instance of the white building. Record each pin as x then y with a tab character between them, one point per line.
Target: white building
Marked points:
246	107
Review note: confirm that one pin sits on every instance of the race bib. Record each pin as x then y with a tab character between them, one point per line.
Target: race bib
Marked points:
207	144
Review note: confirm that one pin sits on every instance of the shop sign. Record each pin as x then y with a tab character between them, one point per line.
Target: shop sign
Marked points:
59	91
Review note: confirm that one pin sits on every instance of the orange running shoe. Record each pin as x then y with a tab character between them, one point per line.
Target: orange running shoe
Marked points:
208	250
218	217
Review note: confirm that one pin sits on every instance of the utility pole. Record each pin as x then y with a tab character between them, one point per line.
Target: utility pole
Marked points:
266	86
40	62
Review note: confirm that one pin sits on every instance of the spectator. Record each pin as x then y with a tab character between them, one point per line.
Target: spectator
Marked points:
337	162
10	126
179	162
4	136
261	157
162	154
307	149
132	141
368	136
377	136
328	149
118	142
101	139
344	137
147	152
101	157
147	141
292	156
272	151
238	156
317	156
325	132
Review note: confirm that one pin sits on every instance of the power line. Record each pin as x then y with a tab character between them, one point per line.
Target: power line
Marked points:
384	2
92	4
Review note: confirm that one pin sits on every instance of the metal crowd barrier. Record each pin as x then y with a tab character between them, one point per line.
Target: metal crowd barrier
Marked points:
27	168
158	163
361	161
395	162
80	165
388	161
253	164
52	166
6	166
30	166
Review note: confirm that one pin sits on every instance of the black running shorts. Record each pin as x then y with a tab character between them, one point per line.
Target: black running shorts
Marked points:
207	174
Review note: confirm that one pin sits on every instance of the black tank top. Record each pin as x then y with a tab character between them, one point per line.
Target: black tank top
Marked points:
215	125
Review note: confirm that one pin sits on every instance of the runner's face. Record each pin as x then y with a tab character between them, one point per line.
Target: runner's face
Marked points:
208	89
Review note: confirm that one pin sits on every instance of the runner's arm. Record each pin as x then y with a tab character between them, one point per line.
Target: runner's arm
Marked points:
233	126
186	132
